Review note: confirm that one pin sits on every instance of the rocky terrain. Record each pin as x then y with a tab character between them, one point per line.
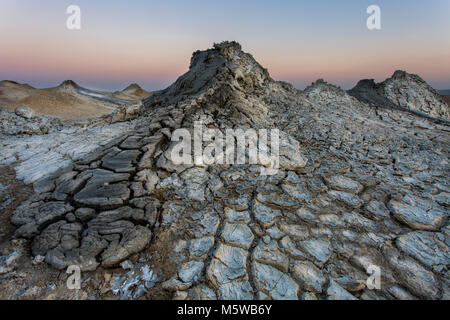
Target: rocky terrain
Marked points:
362	182
404	91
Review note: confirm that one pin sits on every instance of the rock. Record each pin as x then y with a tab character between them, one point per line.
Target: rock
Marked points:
215	184
195	192
309	296
310	276
400	293
85	214
172	182
70	217
132	242
290	153
171	212
377	210
275	233
195	175
316	184
277	199
105	190
175	284
336	292
38	260
427	247
291	248
298	191
5	197
270	254
200	247
236	290
133	142
126	113
351	284
238	235
265	215
228	264
24	112
342	183
332	220
348	198
27	231
296	232
418	214
306	215
356	220
149	178
234	216
201	292
126	265
154	143
319	249
292	178
133	284
443	199
38	157
412	275
39	216
206	223
274	283
31	293
195	183
70	185
239	204
165	161
121	161
190	271
180	296
7	263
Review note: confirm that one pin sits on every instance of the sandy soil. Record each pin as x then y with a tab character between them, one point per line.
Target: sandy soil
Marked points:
19	192
64	101
41	276
133	93
60	104
11	92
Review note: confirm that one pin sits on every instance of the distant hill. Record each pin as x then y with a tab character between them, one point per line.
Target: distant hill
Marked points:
405	91
133	91
11	92
68	101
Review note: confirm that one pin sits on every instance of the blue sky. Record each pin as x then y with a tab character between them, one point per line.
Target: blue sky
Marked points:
150	42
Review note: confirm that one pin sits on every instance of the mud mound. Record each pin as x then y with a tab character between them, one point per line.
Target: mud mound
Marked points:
354	187
11	92
133	92
403	90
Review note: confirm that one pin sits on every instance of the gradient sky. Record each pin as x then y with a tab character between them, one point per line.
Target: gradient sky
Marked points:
151	42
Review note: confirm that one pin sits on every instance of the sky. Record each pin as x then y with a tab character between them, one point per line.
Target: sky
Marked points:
151	42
